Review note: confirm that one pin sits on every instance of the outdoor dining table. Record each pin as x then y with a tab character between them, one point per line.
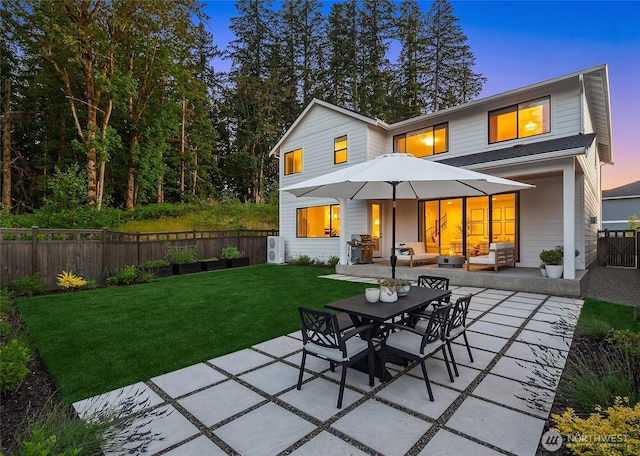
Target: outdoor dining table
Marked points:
376	314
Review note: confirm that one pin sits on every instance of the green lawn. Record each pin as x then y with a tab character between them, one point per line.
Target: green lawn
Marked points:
95	341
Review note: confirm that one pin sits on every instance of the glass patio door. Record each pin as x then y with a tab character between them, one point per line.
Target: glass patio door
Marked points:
376	217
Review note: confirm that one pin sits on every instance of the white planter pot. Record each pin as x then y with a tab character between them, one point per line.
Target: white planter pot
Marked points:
372	294
554	271
388	294
543	272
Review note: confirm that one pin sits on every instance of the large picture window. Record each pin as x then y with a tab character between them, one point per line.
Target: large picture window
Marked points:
340	150
467	226
423	142
293	162
318	221
520	121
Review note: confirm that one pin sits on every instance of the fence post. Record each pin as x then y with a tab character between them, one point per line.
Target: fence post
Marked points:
34	250
138	247
103	263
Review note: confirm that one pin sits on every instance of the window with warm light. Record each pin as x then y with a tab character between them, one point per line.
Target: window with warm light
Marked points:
293	162
423	142
340	150
318	221
467	226
520	121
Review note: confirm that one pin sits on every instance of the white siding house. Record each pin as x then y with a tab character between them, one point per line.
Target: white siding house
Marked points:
558	148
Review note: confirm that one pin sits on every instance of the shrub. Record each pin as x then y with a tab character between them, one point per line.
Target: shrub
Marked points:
303	260
26	286
68	280
230	252
333	261
595	375
616	431
552	257
127	275
14	357
145	276
153	264
182	255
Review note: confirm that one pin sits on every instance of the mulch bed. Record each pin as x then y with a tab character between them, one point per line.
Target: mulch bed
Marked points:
35	393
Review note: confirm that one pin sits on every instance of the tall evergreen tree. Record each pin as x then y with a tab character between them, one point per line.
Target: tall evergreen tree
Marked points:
342	71
304	36
406	93
257	86
376	29
450	79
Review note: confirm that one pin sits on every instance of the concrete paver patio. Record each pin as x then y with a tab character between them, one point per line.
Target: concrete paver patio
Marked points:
246	402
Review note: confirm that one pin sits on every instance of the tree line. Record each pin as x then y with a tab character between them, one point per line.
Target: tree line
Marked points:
119	103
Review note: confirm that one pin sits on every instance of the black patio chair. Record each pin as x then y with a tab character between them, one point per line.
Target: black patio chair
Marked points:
458	327
416	345
437	283
321	337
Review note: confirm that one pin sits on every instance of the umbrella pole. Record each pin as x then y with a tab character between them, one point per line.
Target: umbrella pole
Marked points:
394	258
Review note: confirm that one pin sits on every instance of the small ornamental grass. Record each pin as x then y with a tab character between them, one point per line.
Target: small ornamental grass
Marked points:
68	280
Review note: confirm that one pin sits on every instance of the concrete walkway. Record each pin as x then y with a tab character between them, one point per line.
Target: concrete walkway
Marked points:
246	402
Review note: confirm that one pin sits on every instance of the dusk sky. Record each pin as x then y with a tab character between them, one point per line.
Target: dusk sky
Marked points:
517	43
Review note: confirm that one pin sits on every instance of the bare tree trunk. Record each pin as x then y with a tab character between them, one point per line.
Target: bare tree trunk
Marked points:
182	148
194	174
6	149
131	170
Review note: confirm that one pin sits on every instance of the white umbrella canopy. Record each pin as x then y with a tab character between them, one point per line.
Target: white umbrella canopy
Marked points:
414	178
402	176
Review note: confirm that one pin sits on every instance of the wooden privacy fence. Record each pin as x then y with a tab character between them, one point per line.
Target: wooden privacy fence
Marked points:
618	248
91	253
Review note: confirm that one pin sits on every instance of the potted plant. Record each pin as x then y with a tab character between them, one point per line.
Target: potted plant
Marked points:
184	260
402	287
388	291
234	258
543	270
552	260
211	264
159	268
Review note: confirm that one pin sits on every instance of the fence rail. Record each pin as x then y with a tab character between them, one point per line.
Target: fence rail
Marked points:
91	253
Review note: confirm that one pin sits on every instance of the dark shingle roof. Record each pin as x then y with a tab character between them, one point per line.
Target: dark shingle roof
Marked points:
632	189
541	147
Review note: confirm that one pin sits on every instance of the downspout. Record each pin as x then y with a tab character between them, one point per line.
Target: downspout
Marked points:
582	96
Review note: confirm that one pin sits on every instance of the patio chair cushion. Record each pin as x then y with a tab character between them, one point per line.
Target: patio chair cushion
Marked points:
413	252
354	347
500	254
409	342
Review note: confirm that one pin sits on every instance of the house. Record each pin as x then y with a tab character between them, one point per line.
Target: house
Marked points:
553	134
618	204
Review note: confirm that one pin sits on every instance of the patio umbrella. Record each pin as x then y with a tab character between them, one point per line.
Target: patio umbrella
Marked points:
401	176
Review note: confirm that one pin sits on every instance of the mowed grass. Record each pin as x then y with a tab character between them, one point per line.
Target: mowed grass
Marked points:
598	317
96	341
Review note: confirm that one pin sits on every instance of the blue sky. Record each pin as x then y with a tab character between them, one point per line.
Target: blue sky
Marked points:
517	43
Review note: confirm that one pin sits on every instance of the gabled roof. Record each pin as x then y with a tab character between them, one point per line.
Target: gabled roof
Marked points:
577	142
631	190
316	102
594	82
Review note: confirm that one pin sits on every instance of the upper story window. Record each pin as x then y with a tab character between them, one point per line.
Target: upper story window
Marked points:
293	162
340	150
423	142
519	121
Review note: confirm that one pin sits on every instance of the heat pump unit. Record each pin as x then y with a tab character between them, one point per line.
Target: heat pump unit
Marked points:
275	249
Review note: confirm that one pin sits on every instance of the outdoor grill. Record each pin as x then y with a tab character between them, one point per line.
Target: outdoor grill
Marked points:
361	248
